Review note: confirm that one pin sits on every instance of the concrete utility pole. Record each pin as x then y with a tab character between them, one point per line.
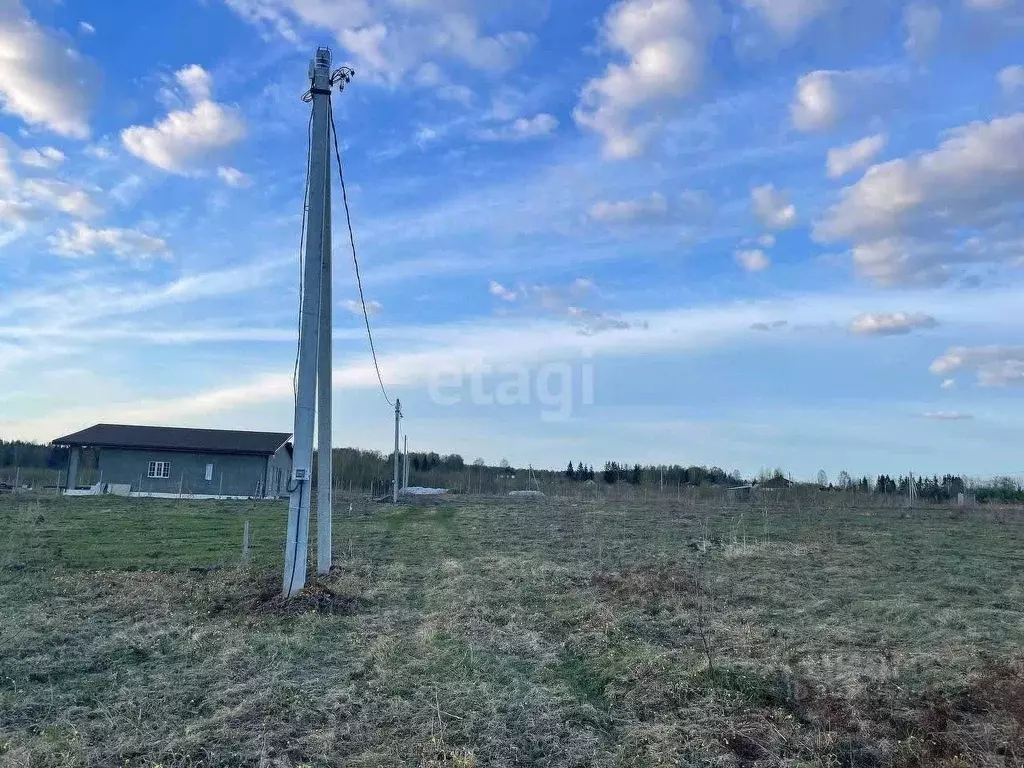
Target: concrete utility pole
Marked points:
73	468
325	469
398	420
405	468
300	488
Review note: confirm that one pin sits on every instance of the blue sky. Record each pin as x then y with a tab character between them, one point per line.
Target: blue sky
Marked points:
768	233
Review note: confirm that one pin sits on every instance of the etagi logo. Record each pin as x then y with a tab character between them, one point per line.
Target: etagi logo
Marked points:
560	388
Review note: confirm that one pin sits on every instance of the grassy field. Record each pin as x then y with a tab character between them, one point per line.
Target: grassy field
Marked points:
498	633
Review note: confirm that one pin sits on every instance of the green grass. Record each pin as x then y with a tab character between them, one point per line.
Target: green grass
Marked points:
558	633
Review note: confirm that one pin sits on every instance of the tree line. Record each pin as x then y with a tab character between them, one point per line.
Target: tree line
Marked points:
18	453
675	475
360	469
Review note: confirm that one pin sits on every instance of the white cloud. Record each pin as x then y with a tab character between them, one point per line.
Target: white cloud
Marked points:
126	192
98	152
429	75
1011	79
913	219
43	80
565	303
86	28
766	241
773	208
988	5
62	196
924	24
47	157
947	416
663	42
522	129
788	17
825	98
82	240
196	81
234	177
842	160
753	260
76	303
994	366
19	212
356	308
890	323
582	285
591	322
465	347
623	211
6	174
816	103
391	38
948	384
503	293
185	140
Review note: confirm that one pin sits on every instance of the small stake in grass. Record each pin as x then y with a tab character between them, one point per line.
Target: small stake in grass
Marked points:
246	542
705	609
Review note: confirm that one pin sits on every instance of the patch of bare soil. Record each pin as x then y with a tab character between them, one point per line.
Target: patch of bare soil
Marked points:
259	594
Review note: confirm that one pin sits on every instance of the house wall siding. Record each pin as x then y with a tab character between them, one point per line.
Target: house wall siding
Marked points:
232	475
279	473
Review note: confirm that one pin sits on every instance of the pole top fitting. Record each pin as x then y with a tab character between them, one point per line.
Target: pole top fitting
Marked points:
320	67
322	60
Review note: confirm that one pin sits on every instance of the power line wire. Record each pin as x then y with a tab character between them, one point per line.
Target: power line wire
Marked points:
355	258
302	245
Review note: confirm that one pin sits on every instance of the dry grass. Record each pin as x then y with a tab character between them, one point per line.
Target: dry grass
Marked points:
497	633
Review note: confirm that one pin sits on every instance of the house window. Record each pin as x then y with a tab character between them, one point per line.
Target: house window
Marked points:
159	469
209	472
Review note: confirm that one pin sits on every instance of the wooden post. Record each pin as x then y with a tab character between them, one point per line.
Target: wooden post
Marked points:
246	542
181	485
221	491
60	472
17	479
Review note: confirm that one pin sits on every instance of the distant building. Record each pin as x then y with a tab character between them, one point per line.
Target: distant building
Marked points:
172	460
773	483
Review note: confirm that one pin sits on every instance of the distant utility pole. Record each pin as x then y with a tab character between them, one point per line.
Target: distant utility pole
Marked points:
398	420
405	463
314	364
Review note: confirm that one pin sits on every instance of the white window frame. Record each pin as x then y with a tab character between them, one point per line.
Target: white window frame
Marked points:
159	470
209	471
